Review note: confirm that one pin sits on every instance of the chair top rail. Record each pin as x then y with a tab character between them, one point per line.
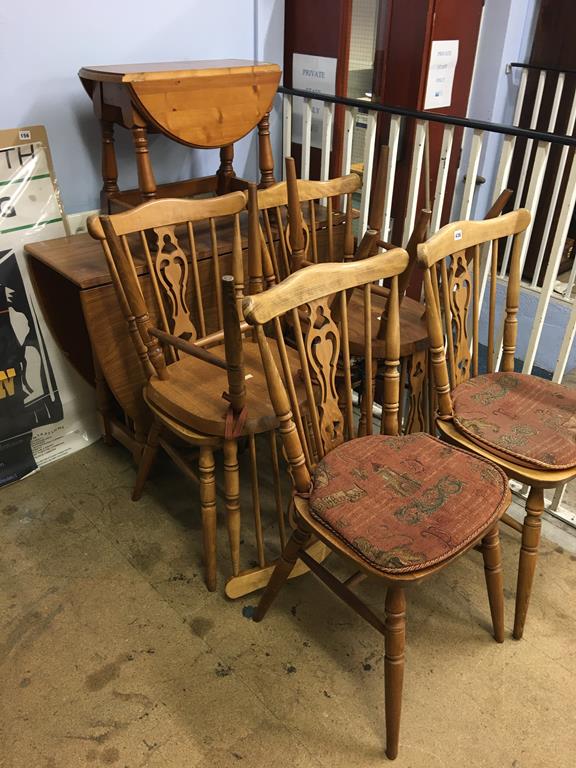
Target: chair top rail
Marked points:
461	235
167	212
434	117
277	194
320	280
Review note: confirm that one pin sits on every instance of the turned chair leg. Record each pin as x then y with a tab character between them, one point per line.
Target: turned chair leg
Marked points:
232	500
395	641
283	569
146	460
206	469
528	557
492	555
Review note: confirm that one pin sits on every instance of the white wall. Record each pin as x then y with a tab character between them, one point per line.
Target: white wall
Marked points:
43	44
505	36
269	46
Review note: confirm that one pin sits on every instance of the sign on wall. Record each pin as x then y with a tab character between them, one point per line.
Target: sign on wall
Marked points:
46	409
441	70
311	73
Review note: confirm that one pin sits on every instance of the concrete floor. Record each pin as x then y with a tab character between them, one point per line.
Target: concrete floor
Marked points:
113	653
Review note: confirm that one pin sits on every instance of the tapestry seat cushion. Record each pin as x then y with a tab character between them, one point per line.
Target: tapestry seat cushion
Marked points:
406	503
526	419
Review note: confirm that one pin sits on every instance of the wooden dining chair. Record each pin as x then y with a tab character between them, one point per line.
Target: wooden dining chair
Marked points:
399	508
524	424
203	386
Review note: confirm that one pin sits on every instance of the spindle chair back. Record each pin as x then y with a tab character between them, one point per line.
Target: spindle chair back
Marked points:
451	260
414	336
328	214
313	427
162	235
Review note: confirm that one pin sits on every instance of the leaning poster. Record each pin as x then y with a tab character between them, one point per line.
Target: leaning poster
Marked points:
46	409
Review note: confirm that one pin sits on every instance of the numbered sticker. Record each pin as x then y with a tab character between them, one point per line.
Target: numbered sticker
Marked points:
458	234
24	135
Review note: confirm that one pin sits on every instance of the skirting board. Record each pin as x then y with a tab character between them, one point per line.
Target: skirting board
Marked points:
77	221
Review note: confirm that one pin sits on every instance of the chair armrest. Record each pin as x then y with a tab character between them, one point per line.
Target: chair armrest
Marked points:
187	346
386	245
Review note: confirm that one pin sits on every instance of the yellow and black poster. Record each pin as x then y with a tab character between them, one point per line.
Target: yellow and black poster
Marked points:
29	396
46	410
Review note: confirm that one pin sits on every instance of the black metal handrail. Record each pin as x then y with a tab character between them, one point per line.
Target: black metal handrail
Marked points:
434	117
520	65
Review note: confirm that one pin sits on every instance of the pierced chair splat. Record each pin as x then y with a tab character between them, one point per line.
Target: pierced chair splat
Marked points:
414	411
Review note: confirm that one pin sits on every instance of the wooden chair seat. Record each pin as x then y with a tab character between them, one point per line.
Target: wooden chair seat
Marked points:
531	476
405	504
413	329
186	434
524	418
193	393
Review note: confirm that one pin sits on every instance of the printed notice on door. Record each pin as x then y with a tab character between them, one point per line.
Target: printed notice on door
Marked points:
311	73
443	59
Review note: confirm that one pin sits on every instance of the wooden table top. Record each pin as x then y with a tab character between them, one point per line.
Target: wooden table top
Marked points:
78	258
203	104
165	70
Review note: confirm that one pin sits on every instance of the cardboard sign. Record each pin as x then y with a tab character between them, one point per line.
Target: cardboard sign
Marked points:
441	70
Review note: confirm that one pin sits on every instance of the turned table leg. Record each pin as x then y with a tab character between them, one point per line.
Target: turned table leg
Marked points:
102	401
265	155
226	170
146	181
109	166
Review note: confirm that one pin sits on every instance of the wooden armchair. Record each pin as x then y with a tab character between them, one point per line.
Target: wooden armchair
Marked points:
399	508
203	386
524	424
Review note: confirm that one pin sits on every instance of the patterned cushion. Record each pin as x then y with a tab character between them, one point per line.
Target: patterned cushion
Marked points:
524	418
406	503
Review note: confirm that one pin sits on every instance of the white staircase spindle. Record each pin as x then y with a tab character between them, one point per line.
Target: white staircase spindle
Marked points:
526	160
306	138
414	183
369	146
286	129
393	140
442	177
349	121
